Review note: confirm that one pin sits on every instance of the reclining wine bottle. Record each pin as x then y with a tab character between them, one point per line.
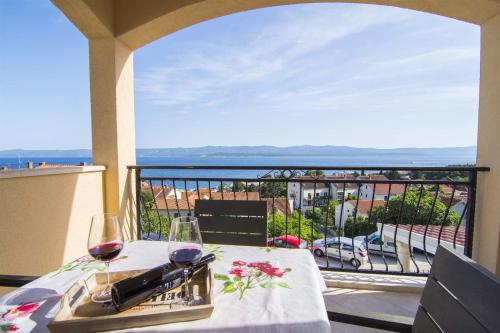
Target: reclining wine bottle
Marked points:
138	289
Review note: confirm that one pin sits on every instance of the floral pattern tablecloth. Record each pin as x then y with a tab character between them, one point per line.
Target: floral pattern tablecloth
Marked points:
256	290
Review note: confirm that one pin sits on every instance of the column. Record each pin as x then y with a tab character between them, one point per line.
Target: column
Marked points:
486	247
113	124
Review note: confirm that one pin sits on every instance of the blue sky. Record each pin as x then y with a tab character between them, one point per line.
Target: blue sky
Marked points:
323	74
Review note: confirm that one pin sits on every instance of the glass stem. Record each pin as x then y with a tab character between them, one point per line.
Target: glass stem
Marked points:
107	277
186	284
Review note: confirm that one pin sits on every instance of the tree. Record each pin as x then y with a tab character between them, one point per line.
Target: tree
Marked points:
280	225
409	207
314	173
392	174
270	189
360	227
152	222
319	214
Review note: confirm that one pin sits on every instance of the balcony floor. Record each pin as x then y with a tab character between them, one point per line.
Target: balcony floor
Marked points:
397	303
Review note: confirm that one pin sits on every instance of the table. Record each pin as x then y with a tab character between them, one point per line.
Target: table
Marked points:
294	303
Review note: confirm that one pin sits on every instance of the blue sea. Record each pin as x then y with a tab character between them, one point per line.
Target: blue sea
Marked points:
354	160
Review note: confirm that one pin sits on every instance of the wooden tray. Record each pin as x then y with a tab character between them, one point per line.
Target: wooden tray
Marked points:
79	314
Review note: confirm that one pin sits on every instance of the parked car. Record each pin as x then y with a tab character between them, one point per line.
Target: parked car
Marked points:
346	252
288	242
374	243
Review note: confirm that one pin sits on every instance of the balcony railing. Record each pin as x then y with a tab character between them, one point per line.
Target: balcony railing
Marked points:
359	219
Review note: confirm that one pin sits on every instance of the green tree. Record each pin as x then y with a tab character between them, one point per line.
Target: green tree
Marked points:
358	228
325	209
269	189
282	226
409	207
392	174
314	173
152	222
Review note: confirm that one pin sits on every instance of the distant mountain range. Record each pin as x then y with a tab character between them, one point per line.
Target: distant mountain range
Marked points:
222	151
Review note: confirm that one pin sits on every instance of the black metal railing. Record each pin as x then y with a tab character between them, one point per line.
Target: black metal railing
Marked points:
353	218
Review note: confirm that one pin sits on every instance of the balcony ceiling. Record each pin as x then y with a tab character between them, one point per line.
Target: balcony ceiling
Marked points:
139	22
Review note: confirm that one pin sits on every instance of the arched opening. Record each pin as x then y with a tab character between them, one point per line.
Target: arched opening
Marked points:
117	28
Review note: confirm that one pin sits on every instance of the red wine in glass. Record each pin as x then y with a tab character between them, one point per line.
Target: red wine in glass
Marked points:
185	257
184	250
106	251
105	243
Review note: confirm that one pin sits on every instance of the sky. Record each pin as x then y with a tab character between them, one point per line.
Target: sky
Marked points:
318	74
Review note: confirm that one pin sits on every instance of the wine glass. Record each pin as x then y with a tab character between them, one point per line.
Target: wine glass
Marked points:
184	248
104	244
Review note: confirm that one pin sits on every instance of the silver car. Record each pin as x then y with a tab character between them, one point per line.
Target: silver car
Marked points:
346	253
375	243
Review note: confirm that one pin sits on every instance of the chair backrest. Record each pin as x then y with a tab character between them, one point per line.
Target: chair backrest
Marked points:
460	296
237	222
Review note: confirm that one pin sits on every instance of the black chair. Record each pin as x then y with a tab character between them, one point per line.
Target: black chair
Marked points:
459	296
236	222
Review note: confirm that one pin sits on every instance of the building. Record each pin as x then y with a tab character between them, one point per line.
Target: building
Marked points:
381	189
349	209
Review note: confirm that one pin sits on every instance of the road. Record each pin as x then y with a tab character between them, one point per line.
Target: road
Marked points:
378	263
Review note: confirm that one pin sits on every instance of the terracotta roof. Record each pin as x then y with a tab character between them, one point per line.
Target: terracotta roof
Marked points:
280	206
157	190
190	203
373	177
456	199
172	204
364	205
446	189
447	234
345	176
383	189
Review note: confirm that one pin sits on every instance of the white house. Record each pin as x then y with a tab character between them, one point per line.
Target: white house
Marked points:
349	209
381	189
320	191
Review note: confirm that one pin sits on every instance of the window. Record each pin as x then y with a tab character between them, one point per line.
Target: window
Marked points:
177	215
317	194
347	247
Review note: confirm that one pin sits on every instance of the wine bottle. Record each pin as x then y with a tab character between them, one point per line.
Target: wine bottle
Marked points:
138	289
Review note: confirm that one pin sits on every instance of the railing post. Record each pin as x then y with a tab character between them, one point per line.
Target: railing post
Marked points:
471	207
138	198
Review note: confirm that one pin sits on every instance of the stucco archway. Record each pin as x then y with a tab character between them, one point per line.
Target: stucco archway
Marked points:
115	28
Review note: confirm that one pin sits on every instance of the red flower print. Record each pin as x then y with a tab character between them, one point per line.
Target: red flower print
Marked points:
273	271
12	328
28	307
23	310
251	275
260	265
238	272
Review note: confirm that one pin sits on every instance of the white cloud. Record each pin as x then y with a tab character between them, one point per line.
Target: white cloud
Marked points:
202	73
353	64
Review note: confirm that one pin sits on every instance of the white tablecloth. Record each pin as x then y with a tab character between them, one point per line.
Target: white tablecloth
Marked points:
290	301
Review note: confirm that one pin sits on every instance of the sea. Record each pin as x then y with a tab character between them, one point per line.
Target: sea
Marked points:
320	161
